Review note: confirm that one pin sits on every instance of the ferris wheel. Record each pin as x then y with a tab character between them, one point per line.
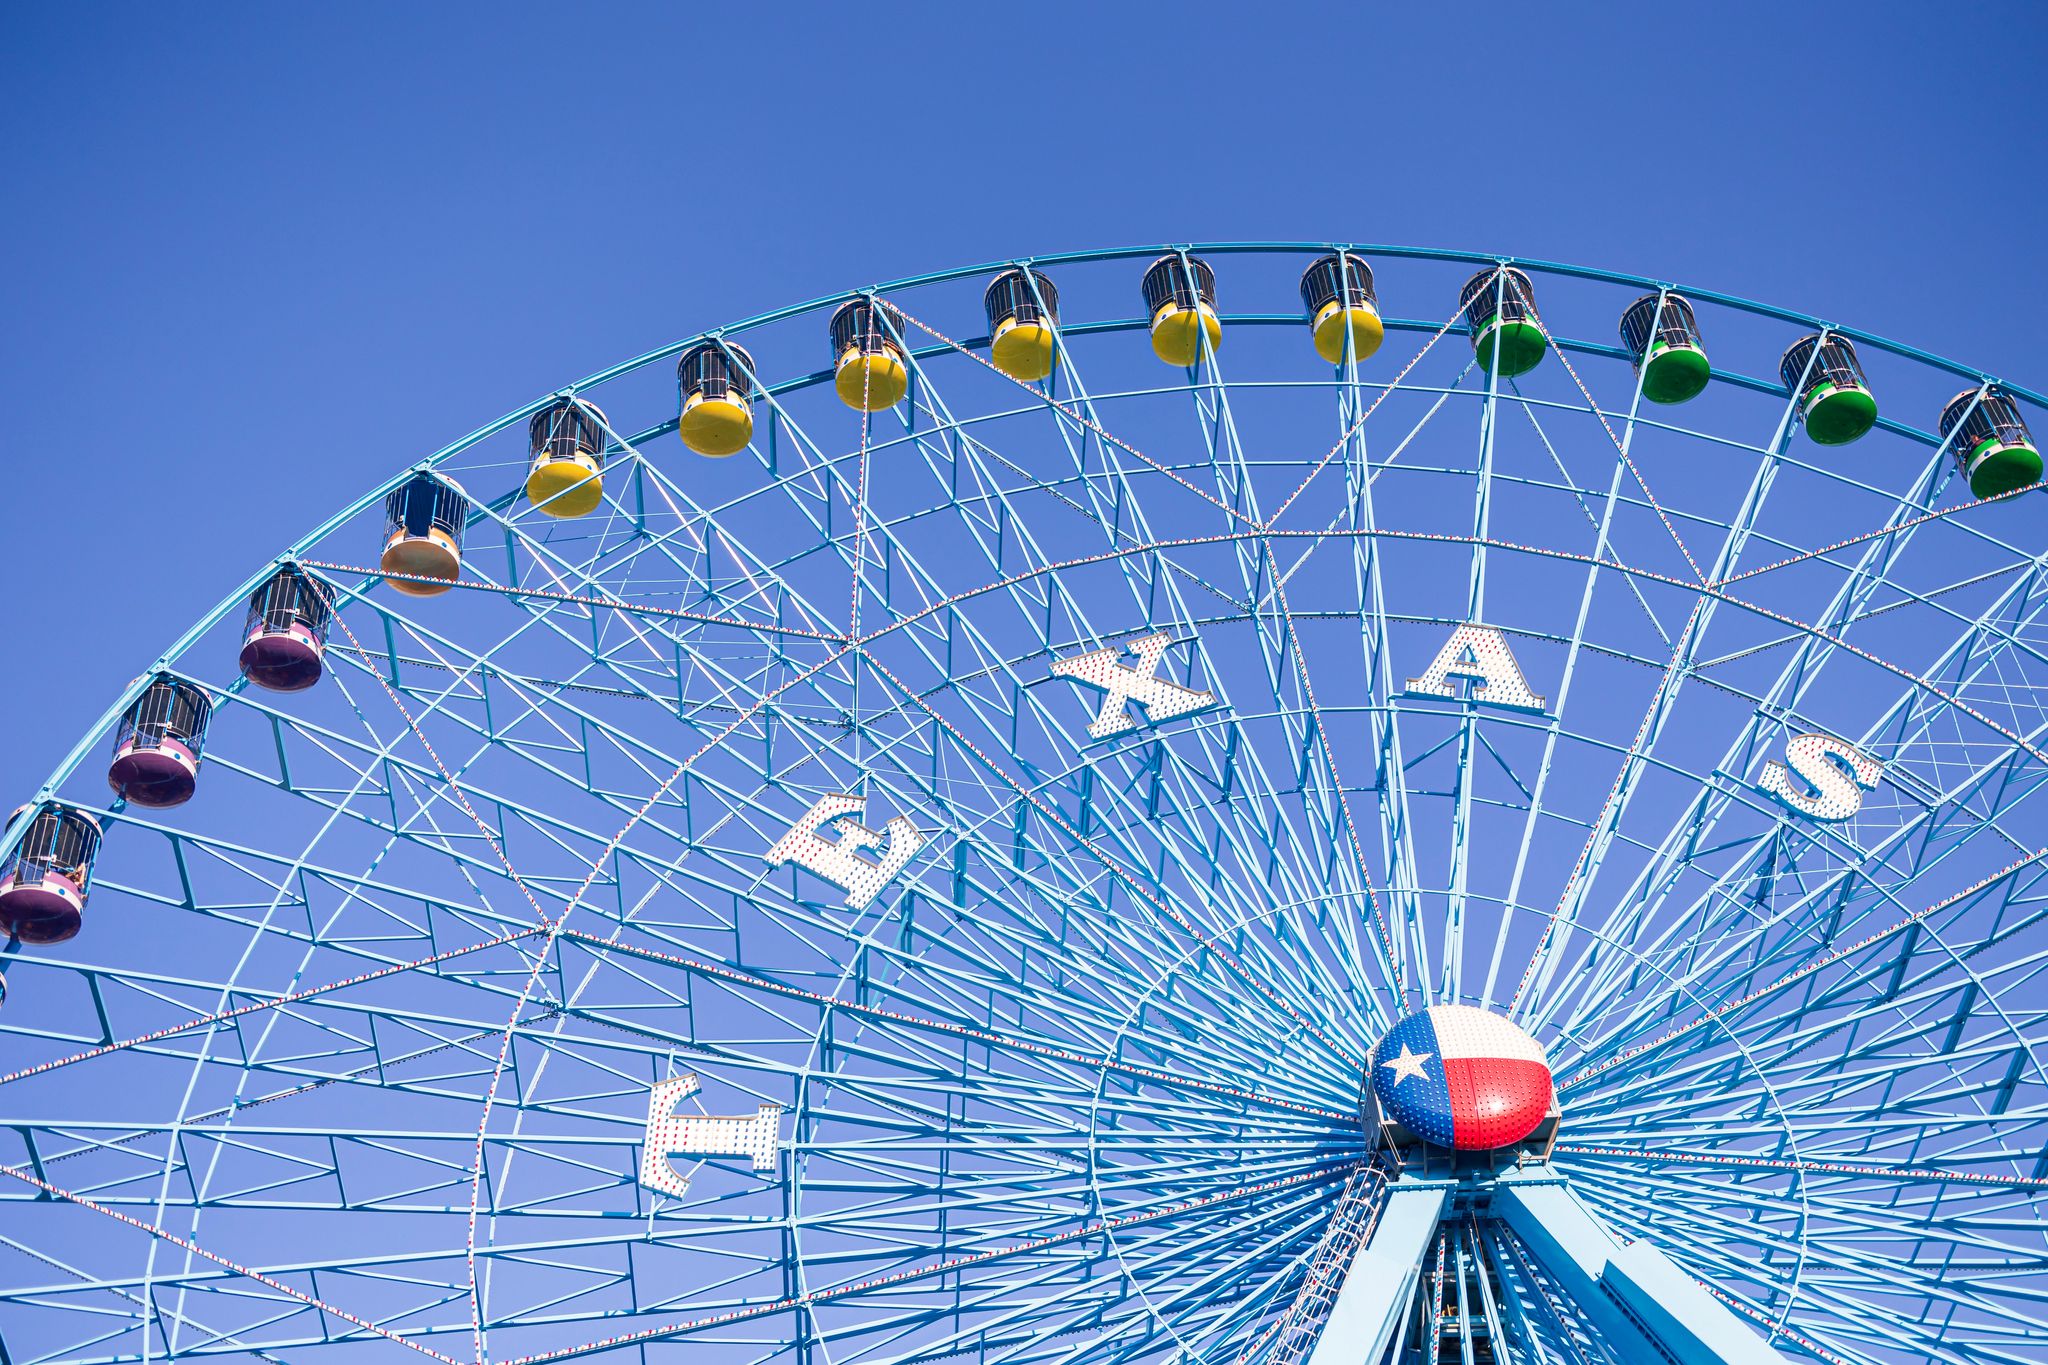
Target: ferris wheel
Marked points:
1242	804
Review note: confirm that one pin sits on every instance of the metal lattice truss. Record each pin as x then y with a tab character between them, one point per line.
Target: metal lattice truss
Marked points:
979	842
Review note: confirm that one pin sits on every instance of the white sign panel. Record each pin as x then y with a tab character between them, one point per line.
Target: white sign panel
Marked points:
839	858
1480	655
1104	670
670	1134
1822	778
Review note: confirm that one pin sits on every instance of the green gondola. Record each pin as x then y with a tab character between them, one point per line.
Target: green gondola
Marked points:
1835	401
1991	443
1502	316
1663	336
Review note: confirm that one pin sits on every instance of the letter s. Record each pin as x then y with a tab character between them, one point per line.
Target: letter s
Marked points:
1822	778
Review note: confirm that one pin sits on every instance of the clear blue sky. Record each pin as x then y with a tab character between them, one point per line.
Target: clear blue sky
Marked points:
259	256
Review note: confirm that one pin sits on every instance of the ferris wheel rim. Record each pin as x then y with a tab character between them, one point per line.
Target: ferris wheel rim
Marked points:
1146	546
669	351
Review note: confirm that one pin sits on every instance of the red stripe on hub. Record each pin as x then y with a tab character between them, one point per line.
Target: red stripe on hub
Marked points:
1495	1100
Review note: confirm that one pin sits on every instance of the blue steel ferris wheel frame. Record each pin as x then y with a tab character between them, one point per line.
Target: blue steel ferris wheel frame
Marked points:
1137	1148
232	604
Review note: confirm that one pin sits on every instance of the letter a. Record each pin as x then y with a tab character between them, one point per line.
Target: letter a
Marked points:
670	1134
1481	655
1104	670
839	860
1832	775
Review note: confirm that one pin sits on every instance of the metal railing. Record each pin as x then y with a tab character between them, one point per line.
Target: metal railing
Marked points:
1351	1226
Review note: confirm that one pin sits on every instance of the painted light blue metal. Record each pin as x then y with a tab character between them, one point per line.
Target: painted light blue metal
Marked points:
1077	1076
1632	1290
1379	1288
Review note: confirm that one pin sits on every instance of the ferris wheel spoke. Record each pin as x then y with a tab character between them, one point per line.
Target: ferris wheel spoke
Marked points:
1916	683
175	1319
1052	1245
1056	894
967	1023
739	920
443	705
1037	561
1003	794
1850	601
1684	652
264	1001
1309	747
663	661
1137	886
759	578
1234	755
1229	469
949	670
1977	651
1561	921
1456	880
1621	447
1539	788
1307	743
1324	799
303	749
1085	413
983	1213
1604	521
1395	820
2009	887
1318	763
1188	1275
277	1281
1748	944
1191	847
1828	1283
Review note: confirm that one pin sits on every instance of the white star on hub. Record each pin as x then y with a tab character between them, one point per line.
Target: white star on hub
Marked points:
1409	1064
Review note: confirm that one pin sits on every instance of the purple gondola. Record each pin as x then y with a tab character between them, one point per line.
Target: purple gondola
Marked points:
156	751
43	890
284	636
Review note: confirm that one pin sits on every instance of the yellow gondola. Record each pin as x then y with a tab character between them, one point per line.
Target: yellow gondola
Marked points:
868	369
1343	311
565	441
1023	311
716	383
1180	300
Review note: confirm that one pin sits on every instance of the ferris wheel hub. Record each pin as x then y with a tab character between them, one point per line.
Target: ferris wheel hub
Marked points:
1459	1077
1019	811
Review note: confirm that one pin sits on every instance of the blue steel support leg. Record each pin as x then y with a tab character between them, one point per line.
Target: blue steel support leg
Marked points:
1380	1283
1634	1293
